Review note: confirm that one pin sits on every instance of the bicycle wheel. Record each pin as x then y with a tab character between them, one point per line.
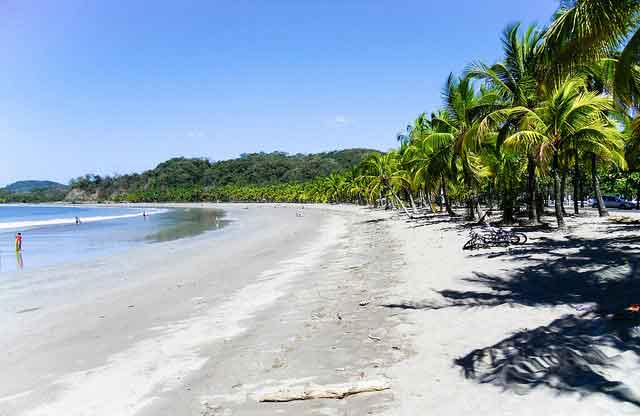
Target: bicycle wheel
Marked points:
523	238
514	239
471	244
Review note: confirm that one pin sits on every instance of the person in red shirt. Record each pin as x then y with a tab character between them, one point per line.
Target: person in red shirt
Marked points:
19	242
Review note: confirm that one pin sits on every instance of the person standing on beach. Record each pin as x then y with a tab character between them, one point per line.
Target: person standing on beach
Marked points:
18	242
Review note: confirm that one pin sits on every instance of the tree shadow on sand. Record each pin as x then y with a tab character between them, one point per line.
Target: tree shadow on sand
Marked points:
585	352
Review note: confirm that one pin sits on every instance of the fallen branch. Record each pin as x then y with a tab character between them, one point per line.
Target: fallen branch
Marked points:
332	391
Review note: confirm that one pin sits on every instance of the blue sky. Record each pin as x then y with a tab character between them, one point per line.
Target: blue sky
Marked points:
119	86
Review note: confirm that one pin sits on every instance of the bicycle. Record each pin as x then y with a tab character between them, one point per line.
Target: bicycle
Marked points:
494	237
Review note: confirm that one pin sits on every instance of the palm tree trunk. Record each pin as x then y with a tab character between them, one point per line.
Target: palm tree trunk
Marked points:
402	205
602	210
429	200
539	205
507	201
470	209
531	190
447	204
576	182
507	209
413	203
557	194
563	187
491	193
387	200
481	216
431	204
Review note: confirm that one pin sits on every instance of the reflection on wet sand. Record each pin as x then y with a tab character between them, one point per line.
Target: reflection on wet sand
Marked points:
19	260
190	222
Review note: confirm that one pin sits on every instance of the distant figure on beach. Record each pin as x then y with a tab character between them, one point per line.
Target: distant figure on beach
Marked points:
144	214
77	221
18	242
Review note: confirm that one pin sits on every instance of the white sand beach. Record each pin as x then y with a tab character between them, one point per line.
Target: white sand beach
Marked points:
339	295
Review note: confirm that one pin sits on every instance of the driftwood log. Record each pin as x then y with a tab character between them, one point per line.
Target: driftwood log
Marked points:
330	391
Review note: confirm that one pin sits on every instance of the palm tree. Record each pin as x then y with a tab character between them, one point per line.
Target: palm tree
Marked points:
457	126
335	188
429	157
378	171
516	81
586	31
570	114
415	130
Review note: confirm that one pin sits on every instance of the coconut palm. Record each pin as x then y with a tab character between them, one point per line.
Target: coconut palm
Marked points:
516	81
378	171
586	31
415	130
457	127
571	114
431	155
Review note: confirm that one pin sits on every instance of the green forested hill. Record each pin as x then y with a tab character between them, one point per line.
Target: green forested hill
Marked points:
187	174
33	191
278	167
28	186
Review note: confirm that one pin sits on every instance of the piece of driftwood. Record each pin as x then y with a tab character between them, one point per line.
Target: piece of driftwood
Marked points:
314	391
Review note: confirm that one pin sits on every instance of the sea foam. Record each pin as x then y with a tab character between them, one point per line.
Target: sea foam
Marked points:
21	225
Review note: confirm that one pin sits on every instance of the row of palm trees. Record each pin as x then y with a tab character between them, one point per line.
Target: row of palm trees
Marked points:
561	101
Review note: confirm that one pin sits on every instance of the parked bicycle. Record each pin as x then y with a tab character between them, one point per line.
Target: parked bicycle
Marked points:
493	237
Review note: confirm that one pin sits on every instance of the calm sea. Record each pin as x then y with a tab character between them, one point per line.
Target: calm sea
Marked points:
51	235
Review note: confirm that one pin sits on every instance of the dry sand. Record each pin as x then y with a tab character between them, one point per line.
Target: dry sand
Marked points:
512	331
339	295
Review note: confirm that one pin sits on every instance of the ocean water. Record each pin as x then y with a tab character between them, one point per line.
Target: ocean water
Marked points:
51	235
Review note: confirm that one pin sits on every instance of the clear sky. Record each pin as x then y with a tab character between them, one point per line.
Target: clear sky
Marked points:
115	86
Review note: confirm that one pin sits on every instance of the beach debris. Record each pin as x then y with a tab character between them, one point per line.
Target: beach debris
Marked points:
364	303
314	391
376	339
339	316
279	363
131	306
29	310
